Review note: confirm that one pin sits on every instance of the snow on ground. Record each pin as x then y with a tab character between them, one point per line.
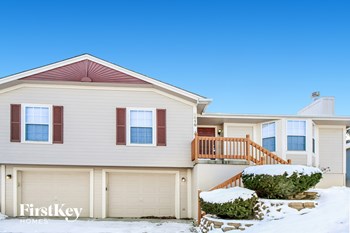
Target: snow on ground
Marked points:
227	195
330	216
2	217
280	169
113	226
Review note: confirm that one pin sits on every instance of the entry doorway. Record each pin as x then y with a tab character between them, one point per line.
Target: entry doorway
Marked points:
206	131
206	147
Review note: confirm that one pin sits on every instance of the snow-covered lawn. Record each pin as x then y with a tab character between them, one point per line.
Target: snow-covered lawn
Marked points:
330	216
118	226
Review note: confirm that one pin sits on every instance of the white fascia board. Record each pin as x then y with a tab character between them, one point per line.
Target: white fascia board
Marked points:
41	69
262	116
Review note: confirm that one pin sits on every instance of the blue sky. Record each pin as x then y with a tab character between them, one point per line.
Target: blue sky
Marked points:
248	56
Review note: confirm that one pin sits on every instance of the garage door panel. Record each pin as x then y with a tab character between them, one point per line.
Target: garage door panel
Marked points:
44	188
138	195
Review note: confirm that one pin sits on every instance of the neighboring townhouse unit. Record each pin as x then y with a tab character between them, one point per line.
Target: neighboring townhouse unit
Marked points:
90	134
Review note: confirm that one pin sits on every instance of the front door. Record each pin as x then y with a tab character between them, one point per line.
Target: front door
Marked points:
206	132
206	147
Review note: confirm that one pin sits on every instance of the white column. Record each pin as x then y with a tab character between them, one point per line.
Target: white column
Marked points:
309	142
3	189
284	139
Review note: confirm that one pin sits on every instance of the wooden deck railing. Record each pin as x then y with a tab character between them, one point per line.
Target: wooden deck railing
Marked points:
259	153
232	182
232	148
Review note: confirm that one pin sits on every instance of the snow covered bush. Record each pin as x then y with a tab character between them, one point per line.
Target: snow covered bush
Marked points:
236	203
280	181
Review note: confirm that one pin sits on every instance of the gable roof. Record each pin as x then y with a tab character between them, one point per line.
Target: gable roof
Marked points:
99	70
85	71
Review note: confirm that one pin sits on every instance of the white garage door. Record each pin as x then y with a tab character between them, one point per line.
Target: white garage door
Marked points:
45	188
141	195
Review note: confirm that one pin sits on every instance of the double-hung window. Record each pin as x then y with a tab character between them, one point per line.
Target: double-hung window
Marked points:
296	135
36	123
269	136
141	127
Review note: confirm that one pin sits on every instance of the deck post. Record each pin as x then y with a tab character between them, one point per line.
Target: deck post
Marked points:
196	149
247	148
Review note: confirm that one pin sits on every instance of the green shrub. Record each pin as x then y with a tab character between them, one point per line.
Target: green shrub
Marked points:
280	186
238	208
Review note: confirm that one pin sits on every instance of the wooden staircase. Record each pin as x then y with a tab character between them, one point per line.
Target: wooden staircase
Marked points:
253	153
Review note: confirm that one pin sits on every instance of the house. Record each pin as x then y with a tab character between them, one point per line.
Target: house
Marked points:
93	135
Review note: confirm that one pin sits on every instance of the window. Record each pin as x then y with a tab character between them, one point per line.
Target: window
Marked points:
37	123
269	136
296	131
141	126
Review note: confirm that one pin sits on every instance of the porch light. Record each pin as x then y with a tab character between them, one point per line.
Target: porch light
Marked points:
183	179
9	177
219	131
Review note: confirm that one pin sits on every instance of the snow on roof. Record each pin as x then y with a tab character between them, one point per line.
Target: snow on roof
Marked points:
280	169
227	195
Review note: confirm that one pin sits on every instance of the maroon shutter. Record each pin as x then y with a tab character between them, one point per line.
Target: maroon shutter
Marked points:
121	126
161	127
15	123
57	124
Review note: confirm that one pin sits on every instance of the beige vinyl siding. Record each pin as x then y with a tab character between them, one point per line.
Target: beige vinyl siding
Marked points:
331	144
207	176
279	138
9	192
239	131
299	159
330	180
89	129
97	192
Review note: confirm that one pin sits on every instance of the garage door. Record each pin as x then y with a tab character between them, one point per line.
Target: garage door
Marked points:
141	195
52	187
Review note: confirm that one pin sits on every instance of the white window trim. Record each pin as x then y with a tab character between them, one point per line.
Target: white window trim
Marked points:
154	126
23	123
262	137
306	142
